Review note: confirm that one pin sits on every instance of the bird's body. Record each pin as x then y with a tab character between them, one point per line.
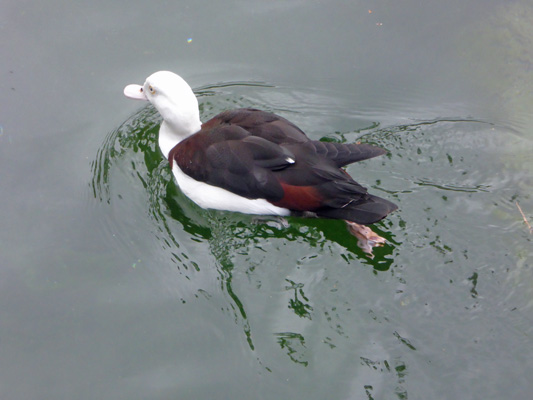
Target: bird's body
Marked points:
255	162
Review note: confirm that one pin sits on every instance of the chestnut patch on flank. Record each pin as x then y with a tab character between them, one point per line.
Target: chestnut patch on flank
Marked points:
299	198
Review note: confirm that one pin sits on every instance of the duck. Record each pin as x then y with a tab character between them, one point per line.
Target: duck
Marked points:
256	162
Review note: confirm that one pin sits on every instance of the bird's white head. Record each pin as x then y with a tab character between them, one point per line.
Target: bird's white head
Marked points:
175	101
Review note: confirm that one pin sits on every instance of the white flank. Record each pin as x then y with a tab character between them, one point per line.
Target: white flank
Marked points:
209	196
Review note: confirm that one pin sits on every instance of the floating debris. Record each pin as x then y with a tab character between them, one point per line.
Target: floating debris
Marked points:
524	217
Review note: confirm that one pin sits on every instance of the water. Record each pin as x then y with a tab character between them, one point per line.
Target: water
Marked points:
114	285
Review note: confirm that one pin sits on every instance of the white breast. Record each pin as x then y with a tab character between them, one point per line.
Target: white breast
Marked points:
209	196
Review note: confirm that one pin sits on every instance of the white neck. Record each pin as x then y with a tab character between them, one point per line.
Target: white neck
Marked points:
176	102
170	136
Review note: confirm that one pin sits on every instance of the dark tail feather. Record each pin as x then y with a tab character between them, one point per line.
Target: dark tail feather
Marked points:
365	212
343	154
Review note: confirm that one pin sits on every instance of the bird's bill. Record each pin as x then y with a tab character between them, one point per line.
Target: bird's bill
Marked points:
135	92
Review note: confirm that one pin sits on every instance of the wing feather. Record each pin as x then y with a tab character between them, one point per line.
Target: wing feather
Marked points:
256	154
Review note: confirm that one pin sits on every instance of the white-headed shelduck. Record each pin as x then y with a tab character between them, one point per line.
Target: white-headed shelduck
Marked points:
256	162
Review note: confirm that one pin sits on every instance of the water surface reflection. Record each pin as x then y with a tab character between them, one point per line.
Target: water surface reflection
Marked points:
307	289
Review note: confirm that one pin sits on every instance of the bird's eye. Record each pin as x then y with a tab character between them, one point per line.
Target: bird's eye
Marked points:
152	90
141	90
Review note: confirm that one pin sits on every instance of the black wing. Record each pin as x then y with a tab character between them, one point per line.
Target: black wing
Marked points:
229	157
256	154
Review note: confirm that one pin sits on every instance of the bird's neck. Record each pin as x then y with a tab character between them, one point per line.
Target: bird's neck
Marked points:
170	136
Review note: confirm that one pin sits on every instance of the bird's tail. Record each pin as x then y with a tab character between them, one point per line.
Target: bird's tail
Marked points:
366	211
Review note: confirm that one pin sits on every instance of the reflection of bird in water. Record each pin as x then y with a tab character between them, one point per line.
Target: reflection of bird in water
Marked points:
255	162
